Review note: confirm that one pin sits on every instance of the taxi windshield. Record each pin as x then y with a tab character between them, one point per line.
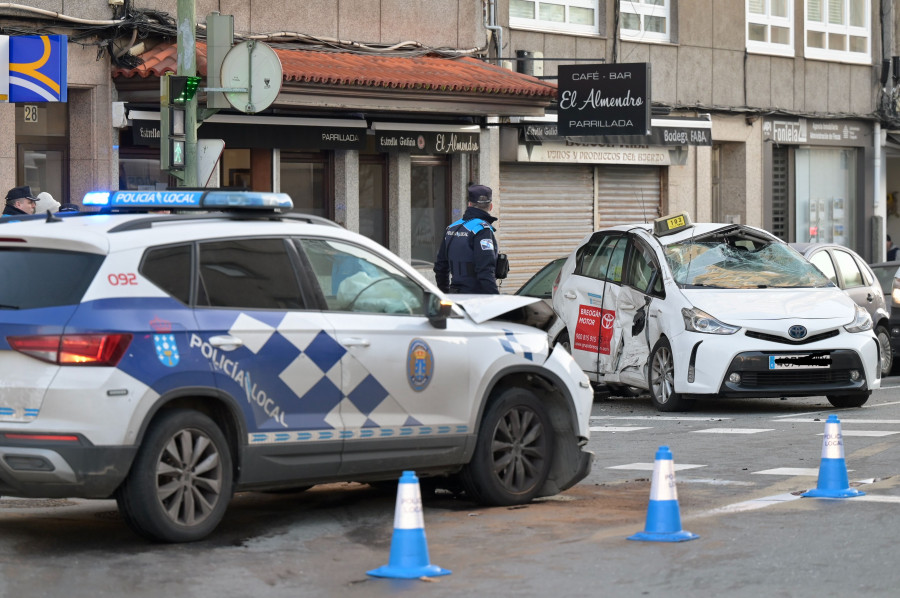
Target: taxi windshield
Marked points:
739	258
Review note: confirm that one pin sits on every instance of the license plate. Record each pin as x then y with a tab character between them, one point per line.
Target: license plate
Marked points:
799	362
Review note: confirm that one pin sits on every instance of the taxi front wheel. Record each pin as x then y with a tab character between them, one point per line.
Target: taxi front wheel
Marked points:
661	379
181	480
514	451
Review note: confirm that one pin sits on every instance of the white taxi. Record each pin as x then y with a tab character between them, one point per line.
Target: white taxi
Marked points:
171	359
710	310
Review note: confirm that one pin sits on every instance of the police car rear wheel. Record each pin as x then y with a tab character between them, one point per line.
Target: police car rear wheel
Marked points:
855	400
181	480
514	451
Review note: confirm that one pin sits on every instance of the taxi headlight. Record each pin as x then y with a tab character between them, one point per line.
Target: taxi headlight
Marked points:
697	320
862	322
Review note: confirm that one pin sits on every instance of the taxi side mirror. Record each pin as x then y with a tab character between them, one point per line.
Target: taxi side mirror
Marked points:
437	310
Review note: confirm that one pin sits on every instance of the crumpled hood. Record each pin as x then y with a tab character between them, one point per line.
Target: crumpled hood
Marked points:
734	306
482	308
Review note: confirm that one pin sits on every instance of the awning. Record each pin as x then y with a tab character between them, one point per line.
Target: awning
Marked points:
245	130
669	130
367	82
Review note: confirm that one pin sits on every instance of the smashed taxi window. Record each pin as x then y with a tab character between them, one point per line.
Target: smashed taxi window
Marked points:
736	258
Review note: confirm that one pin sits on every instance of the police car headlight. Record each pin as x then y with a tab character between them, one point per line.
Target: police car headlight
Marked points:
697	320
862	321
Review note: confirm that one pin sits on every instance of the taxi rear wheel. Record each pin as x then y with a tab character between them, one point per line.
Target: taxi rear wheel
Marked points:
514	451
661	379
181	480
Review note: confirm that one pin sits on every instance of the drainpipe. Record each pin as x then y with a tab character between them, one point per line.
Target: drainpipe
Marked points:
880	192
490	23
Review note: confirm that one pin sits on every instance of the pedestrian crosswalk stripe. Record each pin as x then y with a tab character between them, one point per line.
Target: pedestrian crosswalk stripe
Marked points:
664	418
810	471
618	428
821	420
871	433
649	466
732	430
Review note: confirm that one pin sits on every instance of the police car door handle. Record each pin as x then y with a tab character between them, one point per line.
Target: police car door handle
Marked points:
569	294
226	342
355	342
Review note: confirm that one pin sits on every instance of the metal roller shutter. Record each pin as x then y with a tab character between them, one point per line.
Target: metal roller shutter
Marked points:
627	194
545	210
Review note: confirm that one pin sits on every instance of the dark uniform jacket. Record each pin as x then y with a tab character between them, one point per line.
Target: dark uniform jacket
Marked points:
11	210
467	259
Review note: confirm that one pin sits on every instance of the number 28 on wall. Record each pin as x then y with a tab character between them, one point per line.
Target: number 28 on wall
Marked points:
31	113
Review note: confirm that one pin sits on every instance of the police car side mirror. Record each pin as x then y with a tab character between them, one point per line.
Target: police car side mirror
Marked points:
437	310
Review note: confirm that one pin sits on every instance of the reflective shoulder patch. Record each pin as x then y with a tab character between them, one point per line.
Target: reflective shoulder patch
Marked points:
487	245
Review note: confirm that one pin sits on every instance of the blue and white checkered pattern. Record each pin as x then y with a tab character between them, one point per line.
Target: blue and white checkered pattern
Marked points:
336	390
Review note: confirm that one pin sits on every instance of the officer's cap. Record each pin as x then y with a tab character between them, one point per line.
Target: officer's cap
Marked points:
479	194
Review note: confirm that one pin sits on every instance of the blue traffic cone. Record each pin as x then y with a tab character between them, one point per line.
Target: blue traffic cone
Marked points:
833	469
409	549
663	520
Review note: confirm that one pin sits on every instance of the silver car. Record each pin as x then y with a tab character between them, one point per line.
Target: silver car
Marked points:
849	271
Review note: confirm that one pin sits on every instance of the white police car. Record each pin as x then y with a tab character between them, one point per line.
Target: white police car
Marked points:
710	310
170	359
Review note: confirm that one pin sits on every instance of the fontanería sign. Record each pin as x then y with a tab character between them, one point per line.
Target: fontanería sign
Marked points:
604	99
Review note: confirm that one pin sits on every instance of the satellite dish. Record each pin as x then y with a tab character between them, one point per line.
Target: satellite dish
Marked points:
254	71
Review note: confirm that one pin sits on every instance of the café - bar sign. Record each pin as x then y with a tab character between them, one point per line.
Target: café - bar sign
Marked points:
604	99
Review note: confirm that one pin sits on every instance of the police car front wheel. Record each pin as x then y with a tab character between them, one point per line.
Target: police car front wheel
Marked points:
181	480
514	451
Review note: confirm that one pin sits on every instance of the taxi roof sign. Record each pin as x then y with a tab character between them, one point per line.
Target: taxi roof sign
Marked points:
671	223
188	199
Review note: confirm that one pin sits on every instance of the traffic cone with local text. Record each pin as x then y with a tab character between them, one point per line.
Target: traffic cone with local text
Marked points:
409	549
833	469
663	519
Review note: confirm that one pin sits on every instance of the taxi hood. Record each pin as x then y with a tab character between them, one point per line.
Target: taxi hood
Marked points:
516	308
735	305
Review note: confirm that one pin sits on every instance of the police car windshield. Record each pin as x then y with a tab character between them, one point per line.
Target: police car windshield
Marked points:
737	259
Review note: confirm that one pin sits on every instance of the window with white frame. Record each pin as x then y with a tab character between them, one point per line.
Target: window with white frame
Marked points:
645	20
770	27
566	16
839	30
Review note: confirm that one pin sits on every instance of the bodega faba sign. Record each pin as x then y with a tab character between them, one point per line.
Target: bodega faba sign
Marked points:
604	99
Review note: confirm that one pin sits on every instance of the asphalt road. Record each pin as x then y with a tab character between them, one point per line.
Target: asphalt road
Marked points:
740	467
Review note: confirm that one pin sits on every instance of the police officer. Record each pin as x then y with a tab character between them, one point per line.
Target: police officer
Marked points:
467	259
19	202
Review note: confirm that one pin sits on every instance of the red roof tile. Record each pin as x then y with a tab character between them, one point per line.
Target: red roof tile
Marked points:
420	73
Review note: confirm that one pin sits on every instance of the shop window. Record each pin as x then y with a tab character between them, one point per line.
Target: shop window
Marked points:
430	204
826	192
770	27
139	169
308	179
564	16
373	198
645	20
839	30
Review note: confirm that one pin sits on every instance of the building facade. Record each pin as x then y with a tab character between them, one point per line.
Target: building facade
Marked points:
780	114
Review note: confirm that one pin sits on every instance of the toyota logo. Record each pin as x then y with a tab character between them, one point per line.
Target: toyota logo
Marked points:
607	320
797	331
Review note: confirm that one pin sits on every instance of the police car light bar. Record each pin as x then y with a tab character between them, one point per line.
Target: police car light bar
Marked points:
176	199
